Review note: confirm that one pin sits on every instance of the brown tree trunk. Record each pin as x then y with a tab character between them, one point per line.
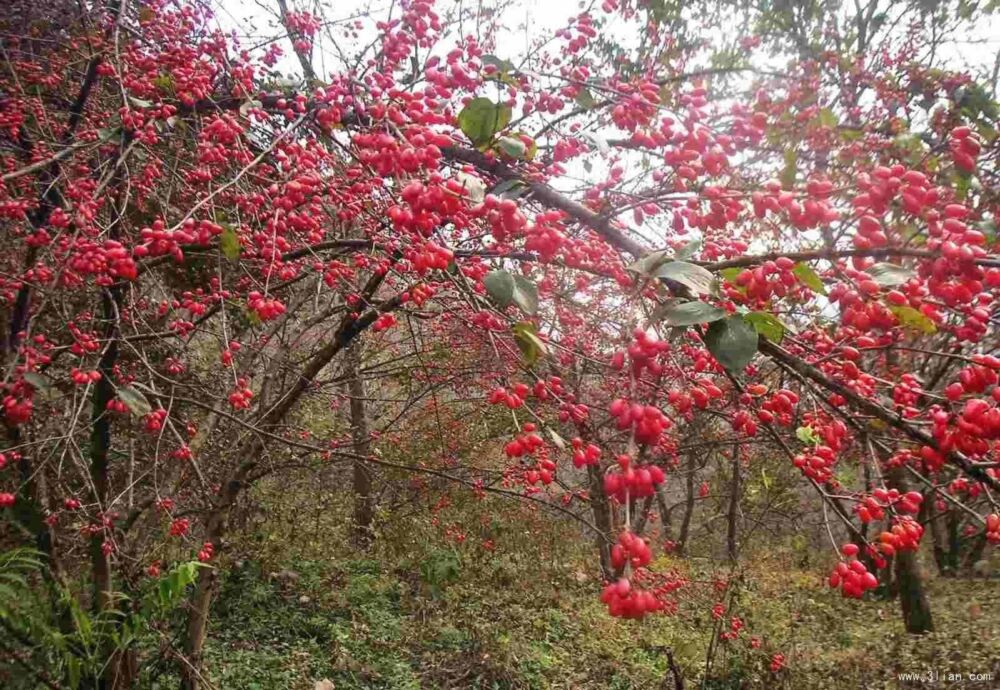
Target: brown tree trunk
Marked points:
364	499
602	519
732	519
682	537
909	578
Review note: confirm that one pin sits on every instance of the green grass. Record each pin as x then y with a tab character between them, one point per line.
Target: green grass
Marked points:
364	626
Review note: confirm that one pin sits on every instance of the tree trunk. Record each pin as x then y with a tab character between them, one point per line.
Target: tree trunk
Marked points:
602	519
912	594
732	519
939	540
364	499
682	538
909	578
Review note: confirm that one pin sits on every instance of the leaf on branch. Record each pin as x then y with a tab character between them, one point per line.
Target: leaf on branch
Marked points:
789	171
473	186
526	337
699	280
687	313
40	383
500	287
889	275
585	99
732	341
506	289
649	263
509	189
229	242
807	434
767	325
808	277
134	400
512	147
525	295
481	119
913	319
688	250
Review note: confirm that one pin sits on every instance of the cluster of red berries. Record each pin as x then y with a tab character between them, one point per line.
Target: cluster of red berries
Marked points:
117	405
206	553
965	147
904	536
71	504
993	528
584	455
777	662
154	421
852	576
700	394
513	399
646	421
429	257
7	500
975	379
817	465
17	411
384	322
82	378
179	527
525	444
240	398
777	408
625	601
642	353
265	308
108	261
771	278
631	550
744	422
632	482
873	507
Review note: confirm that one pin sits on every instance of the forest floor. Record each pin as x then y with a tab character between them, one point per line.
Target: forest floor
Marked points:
451	621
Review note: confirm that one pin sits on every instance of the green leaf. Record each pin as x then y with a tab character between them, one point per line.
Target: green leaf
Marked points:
807	434
512	147
767	325
788	172
504	68
699	280
808	277
913	319
509	189
526	337
506	289
525	295
828	118
688	250
688	313
585	99
482	118
732	341
134	400
229	243
731	274
889	275
40	383
500	287
649	263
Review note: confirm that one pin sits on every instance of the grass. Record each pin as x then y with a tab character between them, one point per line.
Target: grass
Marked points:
468	624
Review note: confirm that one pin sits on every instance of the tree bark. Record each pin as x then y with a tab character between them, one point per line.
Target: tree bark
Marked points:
364	499
732	520
602	519
682	537
909	578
